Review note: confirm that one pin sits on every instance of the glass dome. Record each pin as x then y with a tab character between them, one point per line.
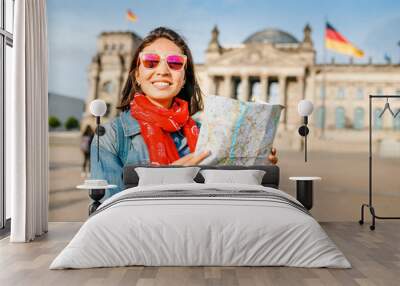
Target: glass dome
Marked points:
273	36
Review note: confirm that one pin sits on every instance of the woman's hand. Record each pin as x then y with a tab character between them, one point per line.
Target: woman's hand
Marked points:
272	158
192	159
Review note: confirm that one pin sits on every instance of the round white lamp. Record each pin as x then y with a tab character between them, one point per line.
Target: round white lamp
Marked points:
305	108
98	108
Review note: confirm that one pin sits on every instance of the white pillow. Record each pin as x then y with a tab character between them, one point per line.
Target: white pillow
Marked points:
166	176
248	177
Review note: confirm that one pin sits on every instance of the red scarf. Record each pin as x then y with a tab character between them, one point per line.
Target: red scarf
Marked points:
156	124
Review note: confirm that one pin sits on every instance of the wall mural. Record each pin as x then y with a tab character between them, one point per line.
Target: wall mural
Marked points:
176	96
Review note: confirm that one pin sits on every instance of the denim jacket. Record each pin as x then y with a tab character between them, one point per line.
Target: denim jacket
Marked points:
121	145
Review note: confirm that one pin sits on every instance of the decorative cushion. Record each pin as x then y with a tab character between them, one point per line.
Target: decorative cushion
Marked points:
162	176
248	177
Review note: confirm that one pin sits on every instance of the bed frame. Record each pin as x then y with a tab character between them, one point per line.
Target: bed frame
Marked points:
270	179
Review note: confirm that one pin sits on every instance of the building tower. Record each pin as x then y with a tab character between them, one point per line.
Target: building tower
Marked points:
108	71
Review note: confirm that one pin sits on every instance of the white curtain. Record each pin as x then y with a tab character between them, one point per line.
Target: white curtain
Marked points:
27	123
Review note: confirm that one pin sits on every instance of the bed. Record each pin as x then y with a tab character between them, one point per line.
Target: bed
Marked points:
198	224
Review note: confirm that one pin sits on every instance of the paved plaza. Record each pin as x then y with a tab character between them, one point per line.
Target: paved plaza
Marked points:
337	197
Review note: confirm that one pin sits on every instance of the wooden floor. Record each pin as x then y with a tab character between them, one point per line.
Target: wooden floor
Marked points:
375	257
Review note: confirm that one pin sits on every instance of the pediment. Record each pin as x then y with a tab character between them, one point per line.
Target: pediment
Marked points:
261	55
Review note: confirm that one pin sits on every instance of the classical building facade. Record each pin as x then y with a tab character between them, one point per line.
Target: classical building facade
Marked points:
108	71
273	66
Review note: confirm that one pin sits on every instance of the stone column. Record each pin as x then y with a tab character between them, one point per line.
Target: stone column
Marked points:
311	88
292	116
244	92
121	81
94	79
207	85
264	88
228	86
211	85
283	98
302	90
282	90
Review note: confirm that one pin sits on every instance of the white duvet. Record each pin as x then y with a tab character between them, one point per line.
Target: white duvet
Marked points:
185	231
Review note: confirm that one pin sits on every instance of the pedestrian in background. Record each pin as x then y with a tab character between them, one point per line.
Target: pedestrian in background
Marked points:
86	140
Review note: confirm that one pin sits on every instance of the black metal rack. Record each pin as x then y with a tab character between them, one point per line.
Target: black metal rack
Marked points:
369	205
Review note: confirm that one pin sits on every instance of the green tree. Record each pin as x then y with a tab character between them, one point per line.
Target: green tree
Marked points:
71	123
54	122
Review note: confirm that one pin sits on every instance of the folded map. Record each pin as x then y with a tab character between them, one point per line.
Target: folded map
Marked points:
237	132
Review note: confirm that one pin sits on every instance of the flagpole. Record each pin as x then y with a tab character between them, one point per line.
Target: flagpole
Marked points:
324	51
126	22
399	47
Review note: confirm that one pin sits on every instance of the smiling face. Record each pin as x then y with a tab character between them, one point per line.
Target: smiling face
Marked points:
161	83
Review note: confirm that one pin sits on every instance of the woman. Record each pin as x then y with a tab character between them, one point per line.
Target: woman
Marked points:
86	140
158	99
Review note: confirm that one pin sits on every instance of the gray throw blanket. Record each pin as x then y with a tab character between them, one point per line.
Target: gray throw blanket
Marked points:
205	194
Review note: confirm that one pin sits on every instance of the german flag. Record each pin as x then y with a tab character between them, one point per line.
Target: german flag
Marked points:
130	16
336	42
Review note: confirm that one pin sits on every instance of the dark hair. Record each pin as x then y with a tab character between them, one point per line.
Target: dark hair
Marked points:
88	131
190	91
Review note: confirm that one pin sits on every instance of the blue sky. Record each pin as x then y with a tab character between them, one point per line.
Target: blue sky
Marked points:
74	25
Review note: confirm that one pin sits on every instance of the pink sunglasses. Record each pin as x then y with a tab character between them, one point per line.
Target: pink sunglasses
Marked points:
151	60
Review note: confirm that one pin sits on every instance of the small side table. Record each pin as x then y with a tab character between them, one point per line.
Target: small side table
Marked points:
304	190
97	190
